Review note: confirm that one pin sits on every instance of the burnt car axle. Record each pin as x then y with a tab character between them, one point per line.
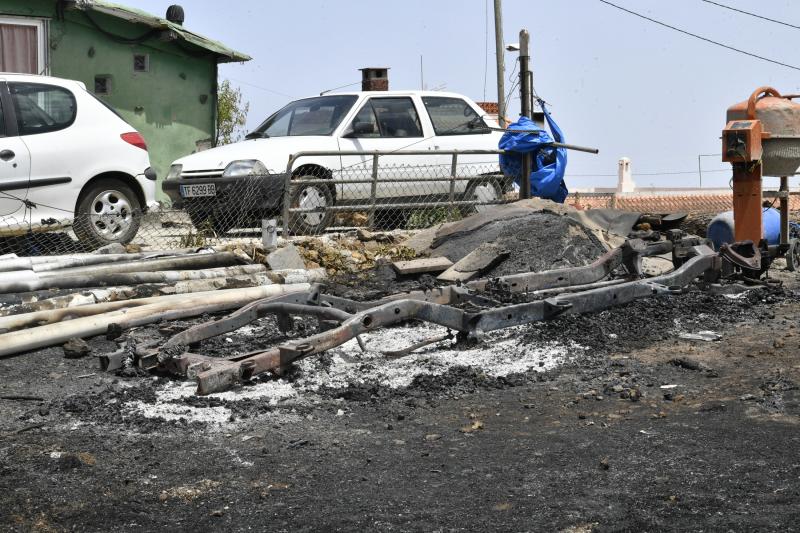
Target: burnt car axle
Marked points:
463	309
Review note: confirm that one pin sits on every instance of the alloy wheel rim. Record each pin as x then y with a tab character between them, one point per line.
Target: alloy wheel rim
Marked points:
110	214
312	198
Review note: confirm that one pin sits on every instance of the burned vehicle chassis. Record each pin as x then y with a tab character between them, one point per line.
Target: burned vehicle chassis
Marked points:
465	309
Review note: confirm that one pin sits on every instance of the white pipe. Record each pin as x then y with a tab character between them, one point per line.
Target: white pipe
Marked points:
178	306
11	282
56	262
187	262
131	292
51	316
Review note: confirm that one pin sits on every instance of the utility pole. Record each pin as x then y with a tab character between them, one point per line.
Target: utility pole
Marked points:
501	63
525	100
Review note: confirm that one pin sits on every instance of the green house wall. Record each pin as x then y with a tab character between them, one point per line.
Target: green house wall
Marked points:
172	105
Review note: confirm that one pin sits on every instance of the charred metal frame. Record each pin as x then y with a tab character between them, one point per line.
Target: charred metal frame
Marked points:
462	309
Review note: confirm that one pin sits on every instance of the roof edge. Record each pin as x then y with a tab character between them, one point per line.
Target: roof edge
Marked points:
224	54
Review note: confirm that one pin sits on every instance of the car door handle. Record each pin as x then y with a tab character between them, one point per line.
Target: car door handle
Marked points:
7	155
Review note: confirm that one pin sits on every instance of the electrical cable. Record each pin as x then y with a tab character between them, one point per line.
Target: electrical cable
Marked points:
706	39
666	173
751	14
262	88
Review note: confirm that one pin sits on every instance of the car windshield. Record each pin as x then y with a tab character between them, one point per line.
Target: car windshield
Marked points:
311	116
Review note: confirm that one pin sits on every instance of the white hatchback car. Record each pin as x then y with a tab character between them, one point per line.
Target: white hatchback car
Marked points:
66	158
207	183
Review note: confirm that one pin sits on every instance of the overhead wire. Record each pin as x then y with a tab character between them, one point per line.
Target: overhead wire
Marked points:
742	11
700	37
262	88
665	173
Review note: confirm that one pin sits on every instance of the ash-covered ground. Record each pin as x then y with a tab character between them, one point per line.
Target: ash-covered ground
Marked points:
603	422
612	421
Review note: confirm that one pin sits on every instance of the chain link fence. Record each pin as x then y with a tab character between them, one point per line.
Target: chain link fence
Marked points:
369	190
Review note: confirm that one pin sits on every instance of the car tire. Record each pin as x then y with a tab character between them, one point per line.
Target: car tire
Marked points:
108	212
203	217
482	189
311	195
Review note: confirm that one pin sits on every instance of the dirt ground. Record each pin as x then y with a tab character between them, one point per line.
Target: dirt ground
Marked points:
634	428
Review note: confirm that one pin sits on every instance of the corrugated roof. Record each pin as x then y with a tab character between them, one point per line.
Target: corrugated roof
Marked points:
130	14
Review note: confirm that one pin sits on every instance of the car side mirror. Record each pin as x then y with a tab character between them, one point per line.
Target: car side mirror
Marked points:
361	128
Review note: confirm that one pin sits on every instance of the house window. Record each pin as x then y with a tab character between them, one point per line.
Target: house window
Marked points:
22	45
102	84
141	62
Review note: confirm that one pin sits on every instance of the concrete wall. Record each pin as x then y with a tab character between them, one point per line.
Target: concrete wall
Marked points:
172	105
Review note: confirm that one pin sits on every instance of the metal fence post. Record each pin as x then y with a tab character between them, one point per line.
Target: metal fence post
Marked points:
287	196
453	170
373	191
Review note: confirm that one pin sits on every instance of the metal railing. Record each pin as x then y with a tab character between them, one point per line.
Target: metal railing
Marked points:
414	195
383	190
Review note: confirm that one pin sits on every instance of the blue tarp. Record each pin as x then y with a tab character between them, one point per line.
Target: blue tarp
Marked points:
549	164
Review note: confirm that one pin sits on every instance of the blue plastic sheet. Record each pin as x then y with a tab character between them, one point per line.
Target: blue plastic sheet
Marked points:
549	164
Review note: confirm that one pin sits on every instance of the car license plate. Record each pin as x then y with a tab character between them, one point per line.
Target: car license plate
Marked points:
200	189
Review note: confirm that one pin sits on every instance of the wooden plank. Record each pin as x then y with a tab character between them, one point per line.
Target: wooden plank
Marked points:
483	258
419	266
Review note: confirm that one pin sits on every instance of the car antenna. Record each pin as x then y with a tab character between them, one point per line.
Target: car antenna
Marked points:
336	88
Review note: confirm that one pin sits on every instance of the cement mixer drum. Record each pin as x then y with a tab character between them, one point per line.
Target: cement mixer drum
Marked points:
780	117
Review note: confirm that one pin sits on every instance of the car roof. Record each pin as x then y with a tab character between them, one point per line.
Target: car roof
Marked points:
64	82
389	93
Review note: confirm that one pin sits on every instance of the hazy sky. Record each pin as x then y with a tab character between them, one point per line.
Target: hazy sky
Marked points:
619	83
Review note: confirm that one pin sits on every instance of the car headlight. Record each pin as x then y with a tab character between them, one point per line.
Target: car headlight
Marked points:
244	167
174	172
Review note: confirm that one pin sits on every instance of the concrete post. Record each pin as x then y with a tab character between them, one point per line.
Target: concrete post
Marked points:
501	65
525	96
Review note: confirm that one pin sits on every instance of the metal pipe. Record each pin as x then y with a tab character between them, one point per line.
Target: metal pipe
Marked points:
319	181
453	171
287	195
783	194
361	207
373	190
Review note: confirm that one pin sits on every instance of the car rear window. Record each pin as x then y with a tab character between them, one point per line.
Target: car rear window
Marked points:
453	116
42	108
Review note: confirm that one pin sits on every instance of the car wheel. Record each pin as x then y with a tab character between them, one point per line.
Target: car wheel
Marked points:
481	190
108	212
204	219
310	196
